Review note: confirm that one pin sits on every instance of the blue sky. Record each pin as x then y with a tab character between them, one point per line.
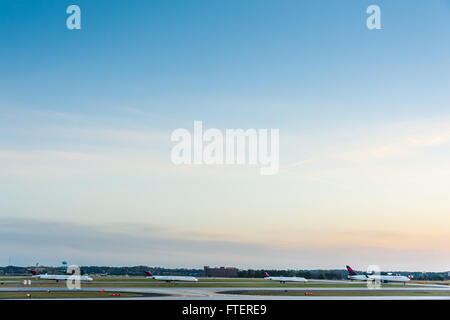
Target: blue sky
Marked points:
177	58
364	120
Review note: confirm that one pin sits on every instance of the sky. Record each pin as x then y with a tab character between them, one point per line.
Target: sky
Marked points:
364	119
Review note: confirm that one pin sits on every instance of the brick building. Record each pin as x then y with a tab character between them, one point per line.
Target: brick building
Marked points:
222	272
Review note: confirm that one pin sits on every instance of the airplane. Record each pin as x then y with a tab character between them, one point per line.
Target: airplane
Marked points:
352	275
170	278
284	279
58	277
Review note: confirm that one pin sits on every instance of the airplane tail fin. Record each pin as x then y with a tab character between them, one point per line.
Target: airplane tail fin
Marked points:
266	275
350	271
34	272
148	273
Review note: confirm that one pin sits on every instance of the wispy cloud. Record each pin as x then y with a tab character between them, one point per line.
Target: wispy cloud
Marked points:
399	139
109	244
50	242
62	164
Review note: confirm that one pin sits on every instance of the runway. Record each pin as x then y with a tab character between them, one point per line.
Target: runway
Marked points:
222	293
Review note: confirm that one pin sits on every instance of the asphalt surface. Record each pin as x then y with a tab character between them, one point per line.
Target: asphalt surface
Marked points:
221	293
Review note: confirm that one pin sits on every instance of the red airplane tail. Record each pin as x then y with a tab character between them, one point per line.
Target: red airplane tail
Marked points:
34	271
266	275
350	271
148	273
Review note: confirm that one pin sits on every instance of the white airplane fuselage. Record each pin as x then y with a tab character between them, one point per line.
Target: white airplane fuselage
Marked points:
382	278
173	278
62	277
286	279
358	277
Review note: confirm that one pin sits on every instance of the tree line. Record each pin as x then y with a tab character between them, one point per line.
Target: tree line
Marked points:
336	274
